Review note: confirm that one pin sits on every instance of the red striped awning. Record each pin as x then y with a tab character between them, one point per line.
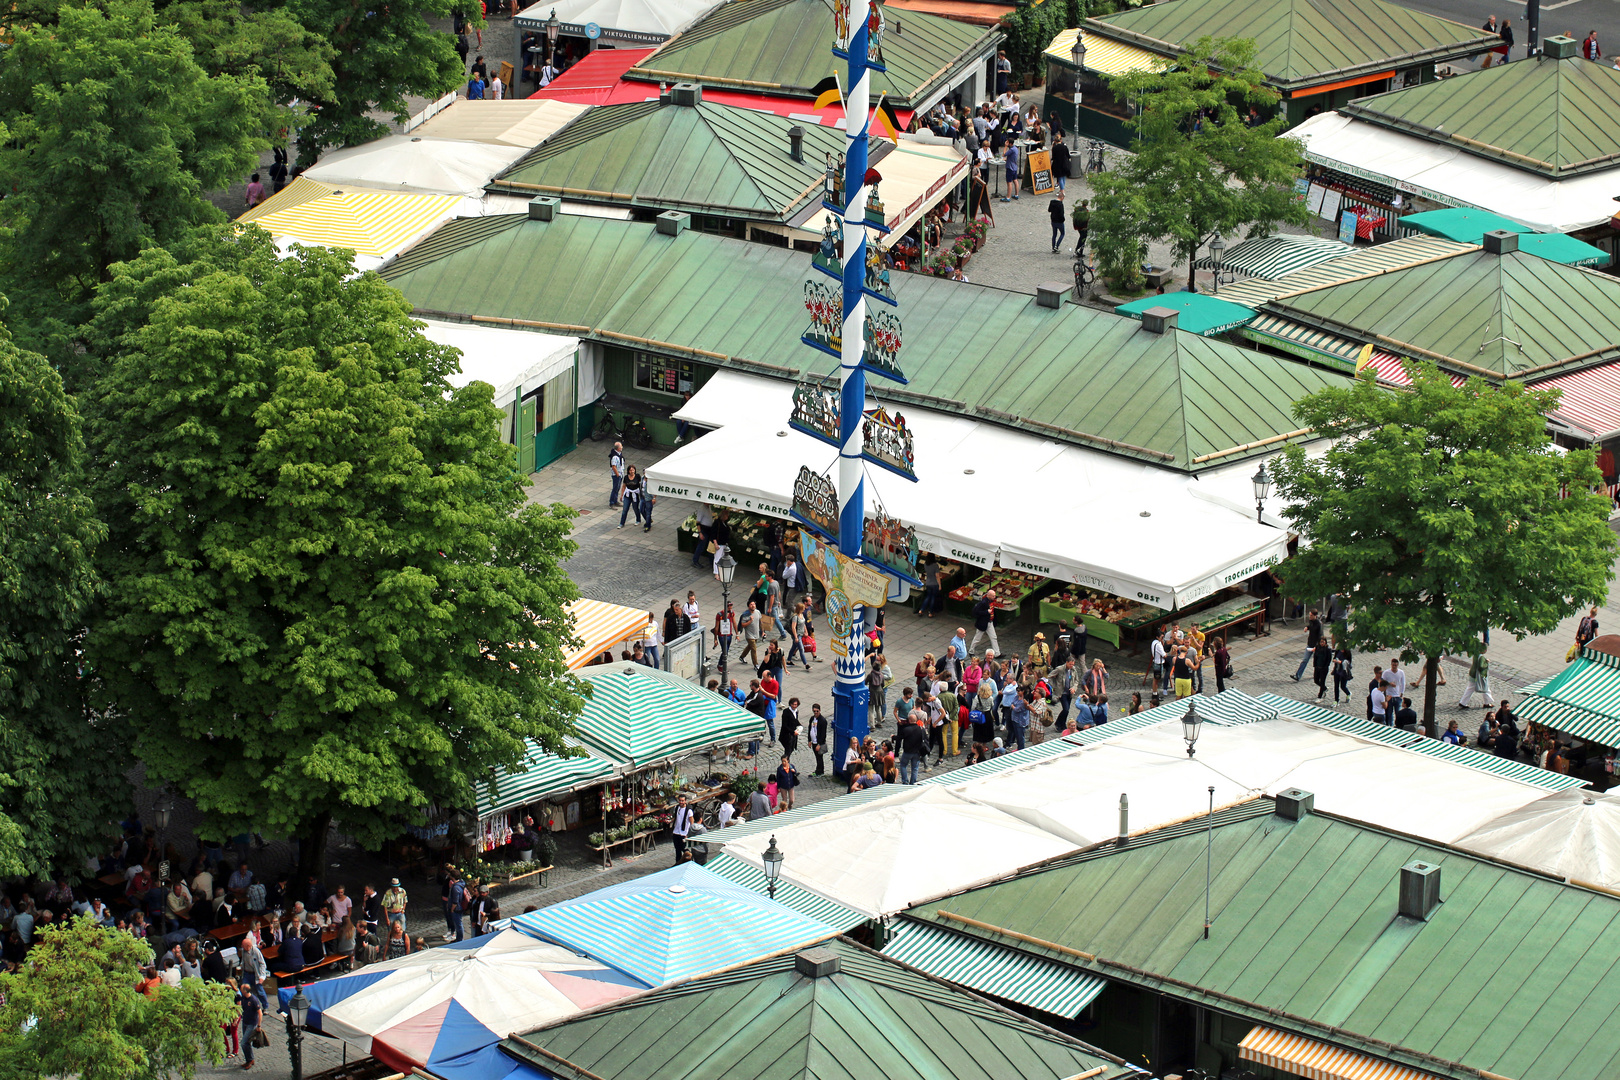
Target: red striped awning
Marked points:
1591	399
1391	370
1299	1056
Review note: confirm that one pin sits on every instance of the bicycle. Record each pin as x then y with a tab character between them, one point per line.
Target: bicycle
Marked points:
633	432
1085	274
1096	156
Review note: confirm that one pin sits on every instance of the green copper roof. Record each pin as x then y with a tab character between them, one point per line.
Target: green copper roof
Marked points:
718	159
1301	42
765	1021
1513	973
781	47
1504	314
1553	117
1074	373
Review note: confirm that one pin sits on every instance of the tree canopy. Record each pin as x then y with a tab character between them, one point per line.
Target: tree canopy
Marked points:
325	595
115	135
1438	514
61	769
1198	166
74	1010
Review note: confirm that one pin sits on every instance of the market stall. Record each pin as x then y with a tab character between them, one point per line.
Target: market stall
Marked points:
1015	591
603	628
535	378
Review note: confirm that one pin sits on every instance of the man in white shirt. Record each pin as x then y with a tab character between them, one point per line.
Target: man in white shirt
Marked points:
1158	664
496	89
681	827
1380	704
1396	678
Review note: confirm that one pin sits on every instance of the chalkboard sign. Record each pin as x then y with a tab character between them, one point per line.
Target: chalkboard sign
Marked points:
1040	173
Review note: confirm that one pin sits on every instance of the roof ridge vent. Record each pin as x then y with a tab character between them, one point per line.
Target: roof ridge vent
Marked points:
816	963
1420	889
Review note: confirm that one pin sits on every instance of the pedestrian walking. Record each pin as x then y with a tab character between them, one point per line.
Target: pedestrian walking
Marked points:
1060	214
816	733
680	827
1081	219
1060	156
630	493
1479	681
1011	157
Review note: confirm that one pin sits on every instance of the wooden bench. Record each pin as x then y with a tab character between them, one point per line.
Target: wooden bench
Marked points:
231	933
302	975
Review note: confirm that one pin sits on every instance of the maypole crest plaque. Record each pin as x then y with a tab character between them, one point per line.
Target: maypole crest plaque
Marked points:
815	411
890	543
886	440
815	502
882	346
826	307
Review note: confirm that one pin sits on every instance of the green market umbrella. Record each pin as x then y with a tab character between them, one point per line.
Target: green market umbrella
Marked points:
1197	313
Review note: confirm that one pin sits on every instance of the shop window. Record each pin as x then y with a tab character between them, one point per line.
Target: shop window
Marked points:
663	375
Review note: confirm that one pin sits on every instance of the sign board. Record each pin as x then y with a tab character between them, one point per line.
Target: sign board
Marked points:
1040	172
1313	201
685	656
1347	226
592	31
848	582
507	72
1332	199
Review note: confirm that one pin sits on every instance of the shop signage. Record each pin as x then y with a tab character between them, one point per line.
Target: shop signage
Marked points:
874	203
815	502
747	503
815	411
874	33
891	544
882	352
885	439
849	584
1040	172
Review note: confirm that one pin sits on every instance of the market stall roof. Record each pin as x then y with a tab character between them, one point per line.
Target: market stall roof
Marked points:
376	225
1497	315
870	1017
600	625
1295	1054
1169	399
1307	936
884	856
513	362
508	122
1572	834
416	163
977	12
1590	402
917	173
430	1008
1562	249
596	80
649	21
544	775
703	158
1278	256
1583	700
1301	43
1196	313
1362	262
1449	175
1105	56
1464	224
672	925
1554	117
780	47
1084	493
643	716
993	969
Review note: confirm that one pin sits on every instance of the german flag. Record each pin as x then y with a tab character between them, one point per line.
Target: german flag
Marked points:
885	121
827	93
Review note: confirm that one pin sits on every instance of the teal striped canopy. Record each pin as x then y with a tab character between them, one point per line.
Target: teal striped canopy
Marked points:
1583	700
1012	974
789	895
545	775
642	716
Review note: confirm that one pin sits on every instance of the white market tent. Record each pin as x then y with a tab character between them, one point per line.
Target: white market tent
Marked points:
1069	791
519	122
514	362
1454	177
1573	834
418	163
626	21
1090	531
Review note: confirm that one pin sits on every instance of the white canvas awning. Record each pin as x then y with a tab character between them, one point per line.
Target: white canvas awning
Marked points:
1090	530
512	361
519	122
916	175
1453	177
1574	834
418	163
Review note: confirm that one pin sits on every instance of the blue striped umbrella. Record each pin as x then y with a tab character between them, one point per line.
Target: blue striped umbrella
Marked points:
674	924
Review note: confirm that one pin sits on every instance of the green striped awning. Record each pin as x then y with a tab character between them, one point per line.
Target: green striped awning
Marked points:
545	776
1277	256
1052	746
1364	262
643	716
789	895
1302	340
1011	974
1572	720
1537	686
1512	769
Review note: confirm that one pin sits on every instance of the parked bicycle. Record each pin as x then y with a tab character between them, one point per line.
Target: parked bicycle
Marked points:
1085	274
1096	156
633	431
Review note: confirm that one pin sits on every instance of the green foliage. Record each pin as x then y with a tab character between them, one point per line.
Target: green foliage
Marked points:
383	53
743	785
229	39
326	597
73	1010
61	770
1437	514
1031	29
1197	167
116	133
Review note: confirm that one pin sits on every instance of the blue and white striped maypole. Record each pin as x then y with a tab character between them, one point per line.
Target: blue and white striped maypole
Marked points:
851	699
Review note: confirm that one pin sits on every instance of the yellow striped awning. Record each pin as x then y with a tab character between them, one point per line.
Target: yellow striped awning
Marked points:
1314	1060
1105	56
600	625
374	223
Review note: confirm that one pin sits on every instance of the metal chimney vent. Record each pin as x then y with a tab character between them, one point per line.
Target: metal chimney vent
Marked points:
1559	48
796	142
671	222
687	93
1051	293
1295	804
1420	889
815	963
1159	320
1501	241
544	208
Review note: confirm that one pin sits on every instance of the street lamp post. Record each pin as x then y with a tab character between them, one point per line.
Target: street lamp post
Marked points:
728	569
1218	246
1190	725
1262	488
297	1014
551	37
773	866
162	811
1077	53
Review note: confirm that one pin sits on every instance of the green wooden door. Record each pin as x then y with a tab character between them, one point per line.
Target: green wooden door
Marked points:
525	439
